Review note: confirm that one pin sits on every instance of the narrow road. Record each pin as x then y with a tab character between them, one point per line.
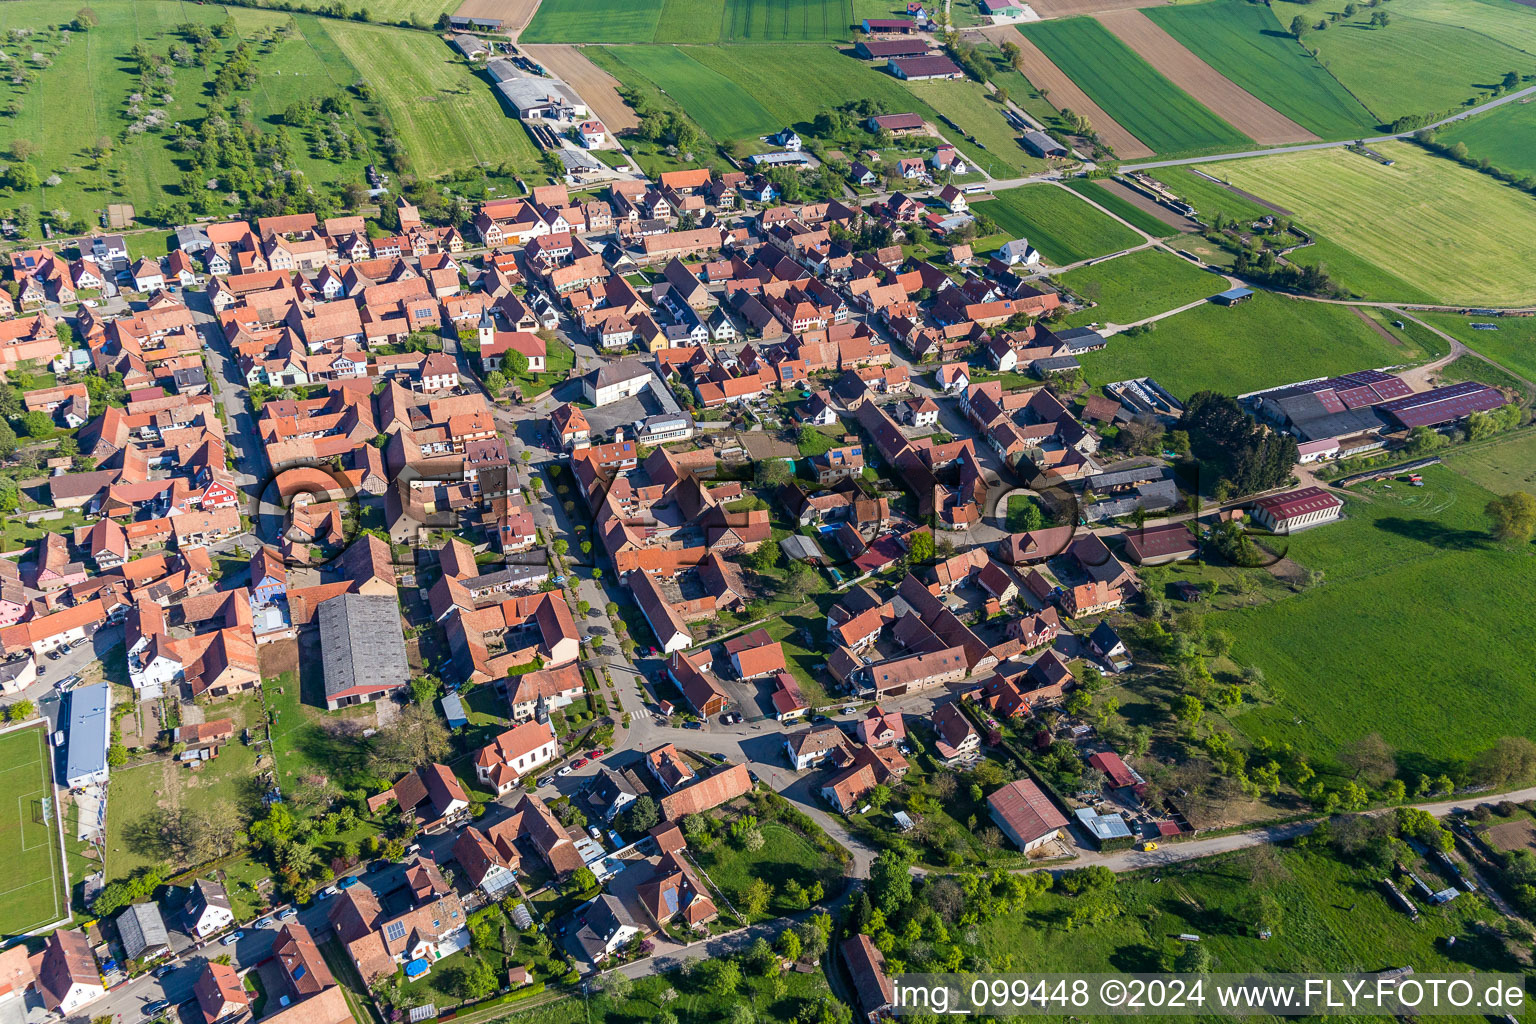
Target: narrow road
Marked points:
1146	165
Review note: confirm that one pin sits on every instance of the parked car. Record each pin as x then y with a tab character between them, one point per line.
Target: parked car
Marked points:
42	670
162	970
581	762
323	894
79	643
693	725
347	883
565	770
288	915
58	737
720	757
232	938
150	1009
851	709
752	775
596	833
546	780
597	752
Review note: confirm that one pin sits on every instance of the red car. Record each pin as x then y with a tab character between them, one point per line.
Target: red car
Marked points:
599	752
579	762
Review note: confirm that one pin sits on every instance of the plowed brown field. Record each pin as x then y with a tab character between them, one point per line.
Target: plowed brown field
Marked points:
1065	94
1238	107
514	14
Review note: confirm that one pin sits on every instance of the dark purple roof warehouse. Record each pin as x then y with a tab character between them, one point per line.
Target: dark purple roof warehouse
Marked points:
1442	405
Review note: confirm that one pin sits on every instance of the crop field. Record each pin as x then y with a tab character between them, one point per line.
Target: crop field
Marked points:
1065	94
34	895
593	21
1063	227
689	21
1137	285
1456	234
1149	106
445	116
1265	342
1184	68
761	21
421	13
1239	40
721	107
1358	278
1433	55
1123	208
1505	137
1512	346
1407	568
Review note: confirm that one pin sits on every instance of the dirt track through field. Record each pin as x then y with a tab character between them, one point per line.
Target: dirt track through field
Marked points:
514	14
1238	107
1072	8
1065	94
1152	206
592	83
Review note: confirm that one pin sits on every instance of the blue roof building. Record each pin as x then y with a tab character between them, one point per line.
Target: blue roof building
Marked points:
90	733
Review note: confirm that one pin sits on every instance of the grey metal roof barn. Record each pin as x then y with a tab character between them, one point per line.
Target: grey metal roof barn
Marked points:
142	931
362	646
90	732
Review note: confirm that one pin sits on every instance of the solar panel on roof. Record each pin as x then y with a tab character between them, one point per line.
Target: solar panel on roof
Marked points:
395	931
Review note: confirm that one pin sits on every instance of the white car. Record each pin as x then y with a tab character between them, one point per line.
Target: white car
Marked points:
850	710
565	769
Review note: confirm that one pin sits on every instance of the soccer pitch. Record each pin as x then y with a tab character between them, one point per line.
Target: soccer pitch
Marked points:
35	893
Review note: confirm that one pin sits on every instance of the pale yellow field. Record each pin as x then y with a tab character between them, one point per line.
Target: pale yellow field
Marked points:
1457	234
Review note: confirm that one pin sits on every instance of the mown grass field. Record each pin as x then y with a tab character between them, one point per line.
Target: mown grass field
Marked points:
1456	234
1239	40
445	116
1505	466
1207	196
593	21
1433	55
1149	106
968	105
421	13
1332	917
33	892
1265	342
1137	285
1513	345
721	107
1367	650
1058	223
1358	278
1505	137
1126	211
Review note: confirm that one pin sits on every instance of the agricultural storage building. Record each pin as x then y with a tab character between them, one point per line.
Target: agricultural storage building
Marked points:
1297	510
923	69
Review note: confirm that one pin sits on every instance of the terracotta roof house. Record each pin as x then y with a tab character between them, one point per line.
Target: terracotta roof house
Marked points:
955	738
866	966
755	654
674	892
704	794
220	996
66	973
431	794
522	749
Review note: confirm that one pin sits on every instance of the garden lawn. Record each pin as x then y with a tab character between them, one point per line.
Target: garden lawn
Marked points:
1505	137
593	21
1138	285
1407	569
967	104
785	855
34	893
558	360
804	664
1129	90
1057	222
302	745
1451	231
445	116
722	108
1512	346
1332	917
144	790
1432	56
1264	342
1239	40
1122	208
